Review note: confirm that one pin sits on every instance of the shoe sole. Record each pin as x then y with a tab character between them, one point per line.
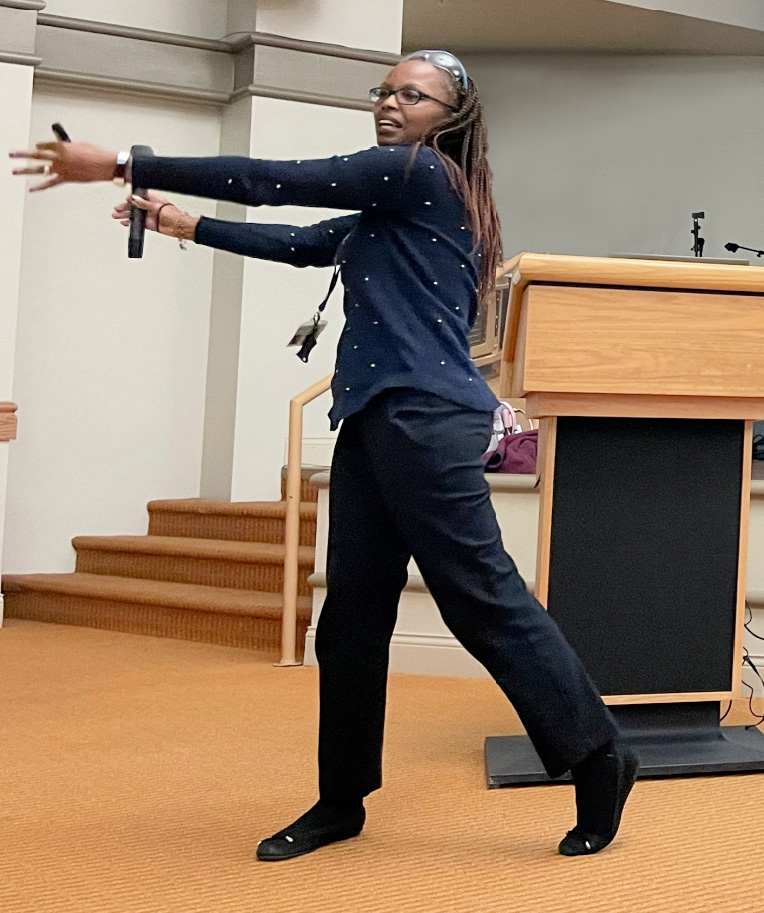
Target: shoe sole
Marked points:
305	850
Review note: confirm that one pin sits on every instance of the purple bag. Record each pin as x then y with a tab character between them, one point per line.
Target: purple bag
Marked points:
514	453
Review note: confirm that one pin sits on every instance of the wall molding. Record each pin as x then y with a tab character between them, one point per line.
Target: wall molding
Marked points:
127	31
18	32
8	422
223	45
85	54
24	4
311	98
266	39
45	76
28	60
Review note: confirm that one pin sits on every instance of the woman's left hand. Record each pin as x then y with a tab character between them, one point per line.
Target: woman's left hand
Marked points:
67	163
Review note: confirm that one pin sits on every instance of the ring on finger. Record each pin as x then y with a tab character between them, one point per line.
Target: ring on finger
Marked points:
46	169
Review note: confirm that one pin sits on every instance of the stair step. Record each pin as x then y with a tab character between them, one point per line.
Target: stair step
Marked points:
221	615
242	521
181	559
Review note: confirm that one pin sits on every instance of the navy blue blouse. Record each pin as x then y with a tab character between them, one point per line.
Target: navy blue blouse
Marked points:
406	259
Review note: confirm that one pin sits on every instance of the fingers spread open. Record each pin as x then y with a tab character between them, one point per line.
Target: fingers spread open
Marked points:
34	169
41	155
46	184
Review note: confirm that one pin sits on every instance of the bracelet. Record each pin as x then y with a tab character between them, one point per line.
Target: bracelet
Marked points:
159	215
177	228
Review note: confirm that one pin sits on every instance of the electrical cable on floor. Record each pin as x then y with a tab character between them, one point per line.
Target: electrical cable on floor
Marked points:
759	717
747	661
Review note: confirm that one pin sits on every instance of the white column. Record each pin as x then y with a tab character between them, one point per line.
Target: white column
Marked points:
15	106
252	375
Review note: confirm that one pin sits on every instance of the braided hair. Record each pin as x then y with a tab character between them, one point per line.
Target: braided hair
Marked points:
461	143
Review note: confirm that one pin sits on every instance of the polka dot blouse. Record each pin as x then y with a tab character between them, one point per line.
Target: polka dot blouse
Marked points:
405	256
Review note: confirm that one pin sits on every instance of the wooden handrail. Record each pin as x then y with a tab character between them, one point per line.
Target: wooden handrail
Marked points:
7	421
292	526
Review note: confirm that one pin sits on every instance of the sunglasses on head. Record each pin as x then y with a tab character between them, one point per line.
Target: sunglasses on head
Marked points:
443	60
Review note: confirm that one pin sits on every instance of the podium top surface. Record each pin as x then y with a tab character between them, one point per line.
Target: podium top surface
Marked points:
675	339
527	268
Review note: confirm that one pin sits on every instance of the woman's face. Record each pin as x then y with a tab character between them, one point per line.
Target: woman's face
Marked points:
397	123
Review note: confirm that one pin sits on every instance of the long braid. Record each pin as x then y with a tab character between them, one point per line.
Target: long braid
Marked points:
461	143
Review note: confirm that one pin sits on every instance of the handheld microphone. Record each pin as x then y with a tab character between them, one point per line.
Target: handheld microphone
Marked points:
60	133
137	216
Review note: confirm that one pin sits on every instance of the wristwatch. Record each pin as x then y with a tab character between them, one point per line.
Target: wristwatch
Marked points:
119	172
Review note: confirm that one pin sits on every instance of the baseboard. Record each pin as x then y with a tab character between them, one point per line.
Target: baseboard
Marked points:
419	654
441	655
316	451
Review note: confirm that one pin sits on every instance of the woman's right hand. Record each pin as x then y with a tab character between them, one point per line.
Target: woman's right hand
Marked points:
151	204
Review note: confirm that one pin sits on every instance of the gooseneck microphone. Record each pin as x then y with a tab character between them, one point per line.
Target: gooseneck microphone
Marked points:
733	248
137	216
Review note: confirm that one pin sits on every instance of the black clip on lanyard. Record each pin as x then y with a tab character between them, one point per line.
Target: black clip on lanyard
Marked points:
310	333
312	336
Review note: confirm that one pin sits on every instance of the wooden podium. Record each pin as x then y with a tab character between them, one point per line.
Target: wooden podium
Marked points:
646	377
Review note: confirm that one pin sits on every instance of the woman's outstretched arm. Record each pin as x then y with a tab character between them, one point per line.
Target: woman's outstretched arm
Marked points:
298	245
310	245
382	177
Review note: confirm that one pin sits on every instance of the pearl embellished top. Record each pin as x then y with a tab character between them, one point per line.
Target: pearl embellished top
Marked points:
406	259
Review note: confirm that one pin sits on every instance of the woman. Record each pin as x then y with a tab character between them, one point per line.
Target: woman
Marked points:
417	254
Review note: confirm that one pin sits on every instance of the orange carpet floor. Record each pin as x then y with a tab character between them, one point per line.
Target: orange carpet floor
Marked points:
138	774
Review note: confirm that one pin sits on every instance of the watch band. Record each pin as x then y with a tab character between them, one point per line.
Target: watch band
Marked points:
119	172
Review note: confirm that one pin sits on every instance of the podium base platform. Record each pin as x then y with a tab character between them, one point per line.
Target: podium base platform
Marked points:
671	740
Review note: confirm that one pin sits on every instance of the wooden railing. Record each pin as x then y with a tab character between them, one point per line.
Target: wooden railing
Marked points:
293	484
292	530
7	421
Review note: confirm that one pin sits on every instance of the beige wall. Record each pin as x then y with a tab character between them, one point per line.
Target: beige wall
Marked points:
202	18
111	354
598	155
15	98
277	298
745	13
372	25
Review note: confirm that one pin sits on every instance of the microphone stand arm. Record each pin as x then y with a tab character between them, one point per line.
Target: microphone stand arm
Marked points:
759	253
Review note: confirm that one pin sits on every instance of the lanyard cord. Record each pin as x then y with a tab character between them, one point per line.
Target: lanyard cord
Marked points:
310	340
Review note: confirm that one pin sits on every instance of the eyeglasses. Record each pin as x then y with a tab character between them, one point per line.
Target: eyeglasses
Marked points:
404	96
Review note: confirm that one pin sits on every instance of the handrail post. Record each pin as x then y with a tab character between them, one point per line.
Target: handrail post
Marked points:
292	525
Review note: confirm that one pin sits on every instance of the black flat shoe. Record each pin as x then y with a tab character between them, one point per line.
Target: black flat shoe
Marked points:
580	842
302	837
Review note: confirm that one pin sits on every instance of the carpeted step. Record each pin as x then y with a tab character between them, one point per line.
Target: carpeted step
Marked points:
219	615
242	521
307	491
180	559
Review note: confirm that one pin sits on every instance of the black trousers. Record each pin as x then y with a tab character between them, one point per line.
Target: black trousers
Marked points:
406	480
